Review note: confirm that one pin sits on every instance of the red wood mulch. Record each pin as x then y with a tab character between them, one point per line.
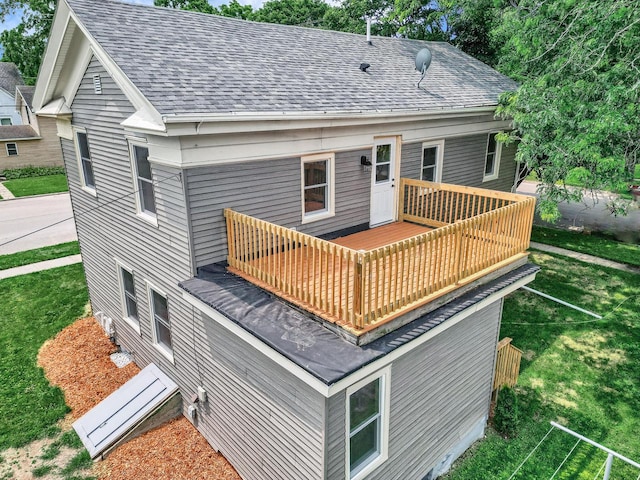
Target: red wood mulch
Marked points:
77	360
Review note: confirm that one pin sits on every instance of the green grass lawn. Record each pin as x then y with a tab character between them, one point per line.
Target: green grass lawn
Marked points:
576	370
38	255
597	245
23	187
33	308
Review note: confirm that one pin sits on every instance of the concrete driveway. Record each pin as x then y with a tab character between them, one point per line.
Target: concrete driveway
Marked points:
21	216
592	214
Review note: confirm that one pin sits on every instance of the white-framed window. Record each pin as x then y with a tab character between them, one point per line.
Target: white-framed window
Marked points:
6	121
85	163
431	167
367	424
143	180
12	149
160	323
318	187
128	296
492	158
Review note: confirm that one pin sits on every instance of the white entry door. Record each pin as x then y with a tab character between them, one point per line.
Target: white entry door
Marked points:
383	182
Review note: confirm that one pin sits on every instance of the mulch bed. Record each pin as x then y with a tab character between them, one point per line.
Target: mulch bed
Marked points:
77	360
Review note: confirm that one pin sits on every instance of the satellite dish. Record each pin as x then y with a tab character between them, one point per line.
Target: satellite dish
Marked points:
423	60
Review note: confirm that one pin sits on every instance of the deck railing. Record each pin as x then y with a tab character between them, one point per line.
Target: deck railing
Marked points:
475	232
508	360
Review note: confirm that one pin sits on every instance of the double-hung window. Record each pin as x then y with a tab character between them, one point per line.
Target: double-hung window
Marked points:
318	181
160	320
12	149
367	424
145	198
492	158
431	170
84	160
129	299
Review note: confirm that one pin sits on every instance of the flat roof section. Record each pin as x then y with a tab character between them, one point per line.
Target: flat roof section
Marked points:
304	340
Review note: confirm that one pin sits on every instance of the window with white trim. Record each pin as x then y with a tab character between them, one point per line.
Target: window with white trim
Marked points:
85	162
6	121
160	320
492	158
145	198
431	170
367	424
12	149
128	294
318	181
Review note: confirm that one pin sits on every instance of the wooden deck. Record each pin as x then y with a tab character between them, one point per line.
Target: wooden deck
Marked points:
380	236
363	280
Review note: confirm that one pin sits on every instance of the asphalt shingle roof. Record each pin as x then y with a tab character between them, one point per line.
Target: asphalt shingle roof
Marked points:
17	132
186	63
27	94
9	77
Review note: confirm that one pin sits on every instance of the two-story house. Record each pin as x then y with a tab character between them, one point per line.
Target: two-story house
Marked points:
319	248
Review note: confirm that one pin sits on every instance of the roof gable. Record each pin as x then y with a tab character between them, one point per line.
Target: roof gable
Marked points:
188	63
9	77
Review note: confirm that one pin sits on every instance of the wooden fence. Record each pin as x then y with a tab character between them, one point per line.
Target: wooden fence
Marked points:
507	364
475	231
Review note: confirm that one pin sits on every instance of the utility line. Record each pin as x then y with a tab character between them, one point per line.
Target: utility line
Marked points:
89	210
531	453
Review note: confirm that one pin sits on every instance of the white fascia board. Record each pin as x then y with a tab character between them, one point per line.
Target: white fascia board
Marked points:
53	52
64	25
142	122
330	390
55	108
267	121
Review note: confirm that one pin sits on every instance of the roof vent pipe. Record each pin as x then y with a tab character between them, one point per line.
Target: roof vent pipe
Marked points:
369	31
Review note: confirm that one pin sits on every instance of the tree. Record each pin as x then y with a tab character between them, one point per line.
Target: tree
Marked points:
578	106
308	13
471	27
193	5
24	45
235	10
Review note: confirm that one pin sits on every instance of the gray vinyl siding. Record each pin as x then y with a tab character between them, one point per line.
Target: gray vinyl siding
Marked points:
270	190
439	392
463	162
264	420
109	228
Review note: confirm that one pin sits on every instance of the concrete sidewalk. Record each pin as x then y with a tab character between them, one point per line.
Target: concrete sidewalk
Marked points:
40	266
583	257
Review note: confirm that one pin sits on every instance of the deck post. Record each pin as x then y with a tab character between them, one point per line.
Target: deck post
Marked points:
358	290
401	200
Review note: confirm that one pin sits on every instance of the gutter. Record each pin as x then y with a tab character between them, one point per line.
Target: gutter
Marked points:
323	115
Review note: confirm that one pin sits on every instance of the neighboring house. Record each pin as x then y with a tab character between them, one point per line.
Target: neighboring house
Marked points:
33	141
190	140
10	78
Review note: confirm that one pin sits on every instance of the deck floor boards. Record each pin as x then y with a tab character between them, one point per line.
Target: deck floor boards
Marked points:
380	236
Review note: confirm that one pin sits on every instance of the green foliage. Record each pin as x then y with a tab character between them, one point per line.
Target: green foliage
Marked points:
42	470
505	419
24	187
598	245
578	371
236	10
38	255
81	461
34	308
193	5
26	172
578	105
24	45
309	13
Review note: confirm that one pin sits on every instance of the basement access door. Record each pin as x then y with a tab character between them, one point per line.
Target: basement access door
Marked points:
124	409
